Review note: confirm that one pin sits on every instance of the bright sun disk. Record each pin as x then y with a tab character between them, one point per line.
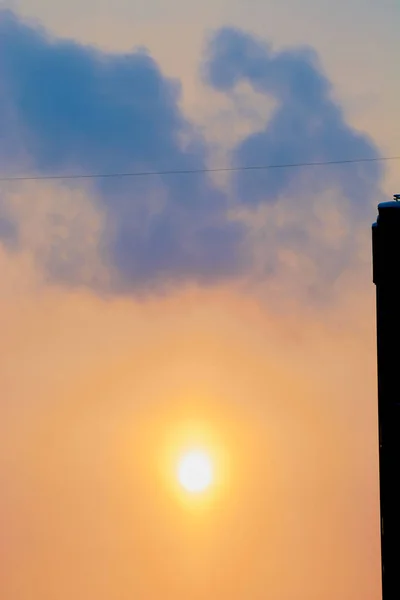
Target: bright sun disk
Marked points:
195	472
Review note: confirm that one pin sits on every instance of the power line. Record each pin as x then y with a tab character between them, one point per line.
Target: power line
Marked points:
194	171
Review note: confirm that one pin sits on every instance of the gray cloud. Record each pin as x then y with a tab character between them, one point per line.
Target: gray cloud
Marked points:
65	107
76	109
306	125
329	206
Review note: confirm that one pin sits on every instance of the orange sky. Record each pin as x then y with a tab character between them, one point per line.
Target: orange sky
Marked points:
92	393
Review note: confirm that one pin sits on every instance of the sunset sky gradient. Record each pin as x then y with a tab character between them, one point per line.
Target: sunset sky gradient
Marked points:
232	311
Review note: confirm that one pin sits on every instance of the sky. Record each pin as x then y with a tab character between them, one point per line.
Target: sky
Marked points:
235	311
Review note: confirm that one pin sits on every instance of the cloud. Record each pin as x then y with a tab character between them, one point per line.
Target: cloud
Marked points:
65	107
307	125
312	216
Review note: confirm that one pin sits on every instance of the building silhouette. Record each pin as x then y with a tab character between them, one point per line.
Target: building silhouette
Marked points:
386	276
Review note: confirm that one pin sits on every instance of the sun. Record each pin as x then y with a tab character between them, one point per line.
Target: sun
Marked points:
195	471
